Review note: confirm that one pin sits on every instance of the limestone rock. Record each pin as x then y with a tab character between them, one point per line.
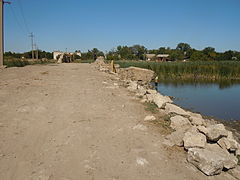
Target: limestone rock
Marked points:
136	74
176	137
197	121
206	161
171	108
211	160
230	135
215	132
237	153
230	161
228	144
133	86
202	129
179	122
235	172
196	115
152	91
194	139
149	118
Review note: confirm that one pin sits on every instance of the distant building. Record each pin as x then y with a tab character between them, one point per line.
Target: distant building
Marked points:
57	54
150	57
158	58
162	57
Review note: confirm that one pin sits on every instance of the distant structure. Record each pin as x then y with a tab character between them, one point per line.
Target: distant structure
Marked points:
163	57
57	54
150	57
158	57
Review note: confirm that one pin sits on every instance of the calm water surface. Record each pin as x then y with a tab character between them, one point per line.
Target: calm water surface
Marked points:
213	99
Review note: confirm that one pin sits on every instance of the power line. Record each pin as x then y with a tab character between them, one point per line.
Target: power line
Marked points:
23	16
17	20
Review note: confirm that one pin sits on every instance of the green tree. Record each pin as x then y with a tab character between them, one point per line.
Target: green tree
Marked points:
176	55
184	47
138	51
199	56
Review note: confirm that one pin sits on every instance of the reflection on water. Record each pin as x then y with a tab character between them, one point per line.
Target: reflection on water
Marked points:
217	99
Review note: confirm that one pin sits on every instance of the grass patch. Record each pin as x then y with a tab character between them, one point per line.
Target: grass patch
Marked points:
16	63
152	107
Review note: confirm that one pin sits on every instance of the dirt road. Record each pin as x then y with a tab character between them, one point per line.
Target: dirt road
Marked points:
71	122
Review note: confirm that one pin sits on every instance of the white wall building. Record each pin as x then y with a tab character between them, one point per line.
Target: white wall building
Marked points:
57	53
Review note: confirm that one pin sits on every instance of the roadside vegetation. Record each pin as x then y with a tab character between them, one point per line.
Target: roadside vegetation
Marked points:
24	62
190	70
152	107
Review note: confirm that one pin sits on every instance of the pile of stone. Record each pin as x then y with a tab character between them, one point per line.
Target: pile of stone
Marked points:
136	74
211	148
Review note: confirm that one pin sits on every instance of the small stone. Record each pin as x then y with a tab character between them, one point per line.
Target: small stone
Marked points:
149	118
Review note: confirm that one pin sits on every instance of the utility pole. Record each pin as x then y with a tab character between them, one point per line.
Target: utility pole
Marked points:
2	31
36	49
32	36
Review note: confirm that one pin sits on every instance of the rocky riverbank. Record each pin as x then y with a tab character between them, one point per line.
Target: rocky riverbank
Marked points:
209	145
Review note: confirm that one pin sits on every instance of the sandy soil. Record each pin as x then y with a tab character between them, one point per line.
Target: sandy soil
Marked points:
71	122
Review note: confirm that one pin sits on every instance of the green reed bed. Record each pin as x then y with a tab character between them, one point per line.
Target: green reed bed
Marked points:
189	70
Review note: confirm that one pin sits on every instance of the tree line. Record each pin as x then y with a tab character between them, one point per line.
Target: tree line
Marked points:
183	51
28	55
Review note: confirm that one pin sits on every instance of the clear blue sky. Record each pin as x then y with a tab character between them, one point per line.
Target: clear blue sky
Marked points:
104	24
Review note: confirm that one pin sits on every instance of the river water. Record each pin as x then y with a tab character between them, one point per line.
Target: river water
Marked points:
217	100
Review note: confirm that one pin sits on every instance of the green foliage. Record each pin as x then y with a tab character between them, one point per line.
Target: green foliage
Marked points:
183	51
199	56
28	55
238	157
22	62
152	107
176	55
136	52
190	70
92	54
16	63
183	47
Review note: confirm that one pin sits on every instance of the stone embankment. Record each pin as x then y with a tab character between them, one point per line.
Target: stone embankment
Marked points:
210	147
